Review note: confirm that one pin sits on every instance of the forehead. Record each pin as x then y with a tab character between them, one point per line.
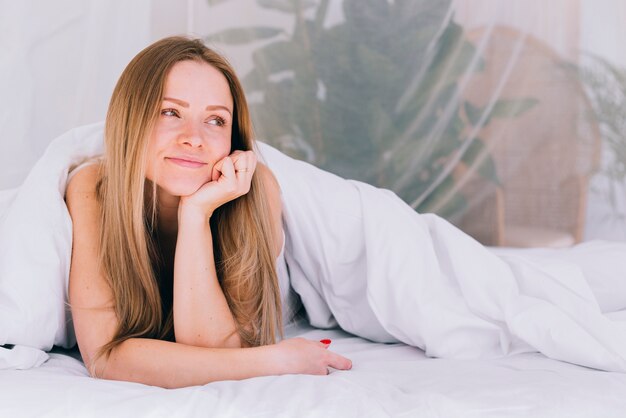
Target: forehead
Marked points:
199	84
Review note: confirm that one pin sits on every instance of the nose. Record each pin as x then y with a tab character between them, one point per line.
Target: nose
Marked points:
190	135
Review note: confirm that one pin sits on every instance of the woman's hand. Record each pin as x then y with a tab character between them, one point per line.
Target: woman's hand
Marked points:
230	178
301	356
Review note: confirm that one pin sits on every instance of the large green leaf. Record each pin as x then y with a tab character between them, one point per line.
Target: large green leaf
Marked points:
444	201
279	56
474	113
237	36
366	13
503	108
512	108
478	155
343	96
288	6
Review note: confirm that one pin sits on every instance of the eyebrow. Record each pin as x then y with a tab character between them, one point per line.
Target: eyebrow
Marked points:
186	105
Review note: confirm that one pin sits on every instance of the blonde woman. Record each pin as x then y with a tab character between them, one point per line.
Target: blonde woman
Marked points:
177	234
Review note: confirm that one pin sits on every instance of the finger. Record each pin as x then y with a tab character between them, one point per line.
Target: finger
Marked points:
228	168
246	163
235	156
253	162
339	362
323	344
217	170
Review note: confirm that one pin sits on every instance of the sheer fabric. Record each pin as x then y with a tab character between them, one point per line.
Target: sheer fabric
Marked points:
59	62
506	118
480	111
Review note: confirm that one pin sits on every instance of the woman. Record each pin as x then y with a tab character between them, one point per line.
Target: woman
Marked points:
173	278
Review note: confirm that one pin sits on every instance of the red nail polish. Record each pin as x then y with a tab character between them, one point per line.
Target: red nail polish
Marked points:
326	341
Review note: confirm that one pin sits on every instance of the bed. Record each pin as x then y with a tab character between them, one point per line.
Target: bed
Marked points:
386	380
485	332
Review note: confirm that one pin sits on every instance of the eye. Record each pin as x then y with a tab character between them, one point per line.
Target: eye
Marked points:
169	112
217	121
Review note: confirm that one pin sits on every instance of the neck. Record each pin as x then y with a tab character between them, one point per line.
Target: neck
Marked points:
167	210
168	215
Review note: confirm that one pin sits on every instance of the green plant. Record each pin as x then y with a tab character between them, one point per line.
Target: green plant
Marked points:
606	88
375	97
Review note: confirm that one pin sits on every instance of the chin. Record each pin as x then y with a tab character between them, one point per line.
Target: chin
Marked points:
181	188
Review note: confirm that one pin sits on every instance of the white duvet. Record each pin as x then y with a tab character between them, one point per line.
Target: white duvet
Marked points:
386	380
359	257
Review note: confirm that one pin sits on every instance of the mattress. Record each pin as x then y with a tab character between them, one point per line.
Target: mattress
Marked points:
386	380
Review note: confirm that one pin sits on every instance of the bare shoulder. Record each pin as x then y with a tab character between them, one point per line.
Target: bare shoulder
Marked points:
87	284
267	176
271	186
82	203
82	186
90	296
272	189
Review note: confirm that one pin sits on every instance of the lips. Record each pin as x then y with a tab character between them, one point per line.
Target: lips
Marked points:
186	162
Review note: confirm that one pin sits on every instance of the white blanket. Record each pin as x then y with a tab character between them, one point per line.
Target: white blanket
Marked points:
35	250
359	257
386	380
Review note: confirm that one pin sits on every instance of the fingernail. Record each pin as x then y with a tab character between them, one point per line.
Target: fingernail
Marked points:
326	341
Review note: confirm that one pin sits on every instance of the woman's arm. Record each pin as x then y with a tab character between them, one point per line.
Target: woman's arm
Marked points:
156	362
201	314
174	365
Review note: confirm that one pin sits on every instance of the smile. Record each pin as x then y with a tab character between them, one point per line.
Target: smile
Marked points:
185	163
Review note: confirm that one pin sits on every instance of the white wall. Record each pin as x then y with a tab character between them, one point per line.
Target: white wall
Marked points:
59	62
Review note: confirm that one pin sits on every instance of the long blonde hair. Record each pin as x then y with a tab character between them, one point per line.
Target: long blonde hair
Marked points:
242	231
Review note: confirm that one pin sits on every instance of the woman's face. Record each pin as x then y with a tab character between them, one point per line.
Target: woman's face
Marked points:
193	129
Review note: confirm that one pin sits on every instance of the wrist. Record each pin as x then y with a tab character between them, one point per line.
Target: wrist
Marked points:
273	359
189	213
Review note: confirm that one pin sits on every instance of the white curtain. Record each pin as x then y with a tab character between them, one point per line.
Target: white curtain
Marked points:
59	62
490	113
479	110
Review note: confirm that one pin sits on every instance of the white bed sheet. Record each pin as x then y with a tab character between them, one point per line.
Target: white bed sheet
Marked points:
386	380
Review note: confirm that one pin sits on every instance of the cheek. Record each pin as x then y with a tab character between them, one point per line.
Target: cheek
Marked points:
173	179
221	153
153	160
220	148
